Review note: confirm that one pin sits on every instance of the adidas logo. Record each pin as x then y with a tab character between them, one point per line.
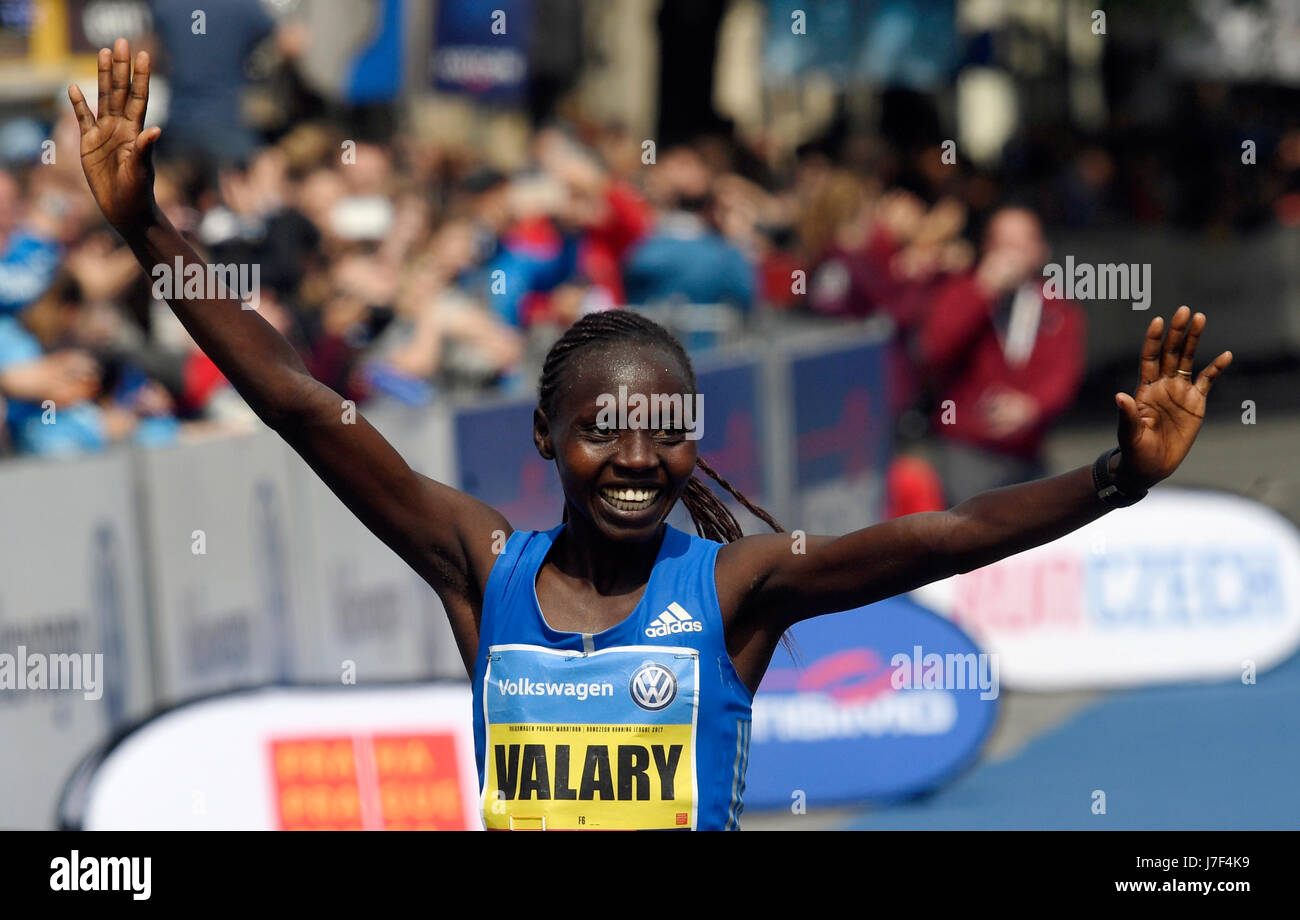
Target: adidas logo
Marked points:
673	620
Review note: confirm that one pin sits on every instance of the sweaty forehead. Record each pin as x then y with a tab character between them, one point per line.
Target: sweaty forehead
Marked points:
642	369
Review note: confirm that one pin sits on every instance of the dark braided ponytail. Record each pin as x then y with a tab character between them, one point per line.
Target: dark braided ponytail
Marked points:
712	519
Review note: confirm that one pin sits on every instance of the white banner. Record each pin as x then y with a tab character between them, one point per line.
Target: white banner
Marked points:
300	758
1185	585
69	586
369	614
222	552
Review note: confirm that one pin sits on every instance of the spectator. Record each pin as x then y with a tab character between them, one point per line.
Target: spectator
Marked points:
685	257
31	251
207	77
1007	361
438	331
882	256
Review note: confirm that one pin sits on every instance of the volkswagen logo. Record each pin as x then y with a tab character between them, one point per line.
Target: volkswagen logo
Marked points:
653	687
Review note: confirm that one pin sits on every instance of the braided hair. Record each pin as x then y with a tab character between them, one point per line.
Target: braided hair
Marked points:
712	519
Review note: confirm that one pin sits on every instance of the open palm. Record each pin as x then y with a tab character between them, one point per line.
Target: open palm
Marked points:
115	147
1159	422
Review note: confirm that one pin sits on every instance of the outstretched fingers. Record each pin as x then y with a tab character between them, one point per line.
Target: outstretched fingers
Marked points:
1149	368
85	118
138	100
1213	370
121	77
1174	341
105	80
1189	344
1130	420
144	140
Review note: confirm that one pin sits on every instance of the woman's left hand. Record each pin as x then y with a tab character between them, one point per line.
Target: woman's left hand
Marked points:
1159	422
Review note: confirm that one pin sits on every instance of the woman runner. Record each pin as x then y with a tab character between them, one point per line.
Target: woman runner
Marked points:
613	657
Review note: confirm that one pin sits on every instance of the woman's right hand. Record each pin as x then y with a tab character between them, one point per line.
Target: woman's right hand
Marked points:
116	149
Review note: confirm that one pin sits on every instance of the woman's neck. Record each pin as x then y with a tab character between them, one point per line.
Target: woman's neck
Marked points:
612	567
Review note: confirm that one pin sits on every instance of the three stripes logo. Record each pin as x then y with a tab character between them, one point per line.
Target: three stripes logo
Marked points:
673	620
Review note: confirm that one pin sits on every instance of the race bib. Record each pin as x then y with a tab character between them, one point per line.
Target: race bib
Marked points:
601	741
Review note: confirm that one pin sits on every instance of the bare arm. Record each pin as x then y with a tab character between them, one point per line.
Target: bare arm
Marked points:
442	533
763	584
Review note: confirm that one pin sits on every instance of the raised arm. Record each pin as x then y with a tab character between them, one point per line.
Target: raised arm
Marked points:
442	533
764	586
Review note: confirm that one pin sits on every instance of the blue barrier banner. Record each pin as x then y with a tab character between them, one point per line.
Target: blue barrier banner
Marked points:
887	701
499	464
481	49
842	438
732	439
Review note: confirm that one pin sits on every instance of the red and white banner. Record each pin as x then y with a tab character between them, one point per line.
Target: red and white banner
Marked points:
397	757
1185	585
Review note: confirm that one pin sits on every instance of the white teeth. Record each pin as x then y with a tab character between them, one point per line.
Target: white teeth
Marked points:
630	497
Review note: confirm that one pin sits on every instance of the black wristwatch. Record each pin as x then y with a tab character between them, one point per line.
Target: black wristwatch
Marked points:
1108	491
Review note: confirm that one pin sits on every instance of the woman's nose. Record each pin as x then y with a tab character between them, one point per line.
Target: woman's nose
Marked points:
635	449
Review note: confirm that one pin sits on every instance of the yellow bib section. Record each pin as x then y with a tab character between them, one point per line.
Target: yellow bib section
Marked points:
589	777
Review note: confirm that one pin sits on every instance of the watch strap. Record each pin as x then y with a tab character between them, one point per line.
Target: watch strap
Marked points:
1108	491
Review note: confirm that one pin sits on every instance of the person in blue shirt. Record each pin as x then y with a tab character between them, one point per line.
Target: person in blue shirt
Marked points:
614	658
207	75
30	254
685	259
47	407
28	265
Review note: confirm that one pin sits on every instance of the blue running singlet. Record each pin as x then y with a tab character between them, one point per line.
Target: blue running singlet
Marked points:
643	726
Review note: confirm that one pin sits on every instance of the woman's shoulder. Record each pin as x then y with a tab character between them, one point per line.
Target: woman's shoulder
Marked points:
513	550
520	540
680	544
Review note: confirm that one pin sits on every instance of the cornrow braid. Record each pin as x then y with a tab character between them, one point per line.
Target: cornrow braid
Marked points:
713	520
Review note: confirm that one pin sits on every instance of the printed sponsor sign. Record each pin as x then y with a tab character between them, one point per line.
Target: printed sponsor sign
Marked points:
481	48
217	524
404	782
395	757
887	701
74	659
561	749
362	603
1184	585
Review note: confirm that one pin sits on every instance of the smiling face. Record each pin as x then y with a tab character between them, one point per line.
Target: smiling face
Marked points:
621	481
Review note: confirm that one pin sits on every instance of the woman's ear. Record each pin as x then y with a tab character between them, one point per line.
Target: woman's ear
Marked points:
542	435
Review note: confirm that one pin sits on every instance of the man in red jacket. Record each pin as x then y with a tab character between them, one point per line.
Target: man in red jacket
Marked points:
1004	359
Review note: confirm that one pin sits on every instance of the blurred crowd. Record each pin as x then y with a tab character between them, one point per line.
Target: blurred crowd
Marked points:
408	269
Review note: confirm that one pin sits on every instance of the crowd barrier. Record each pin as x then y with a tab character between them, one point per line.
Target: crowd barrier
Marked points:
830	729
221	567
226	564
